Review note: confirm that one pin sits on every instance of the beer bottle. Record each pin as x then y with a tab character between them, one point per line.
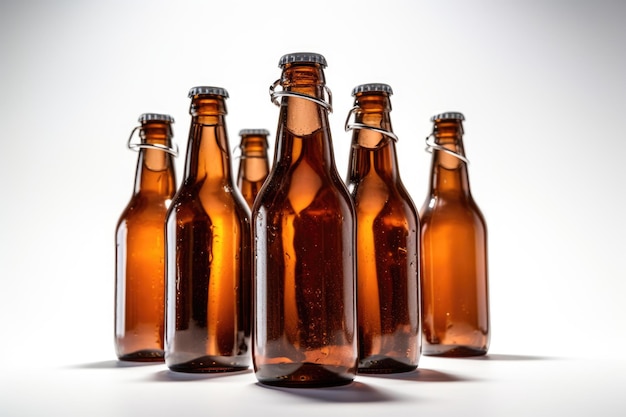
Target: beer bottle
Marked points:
254	165
140	248
208	251
387	239
455	309
305	334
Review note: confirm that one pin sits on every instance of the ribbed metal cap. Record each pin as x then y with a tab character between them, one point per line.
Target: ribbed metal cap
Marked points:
146	117
372	88
215	91
450	115
302	57
263	132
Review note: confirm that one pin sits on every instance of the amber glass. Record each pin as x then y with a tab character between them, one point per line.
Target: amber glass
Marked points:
254	165
208	251
387	241
305	327
455	305
140	248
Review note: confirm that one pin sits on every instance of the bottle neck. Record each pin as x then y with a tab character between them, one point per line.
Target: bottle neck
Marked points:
254	164
155	168
449	174
208	157
373	152
303	127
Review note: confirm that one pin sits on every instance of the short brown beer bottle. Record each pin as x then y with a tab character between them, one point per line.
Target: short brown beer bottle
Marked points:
253	165
455	305
387	248
305	334
140	247
208	251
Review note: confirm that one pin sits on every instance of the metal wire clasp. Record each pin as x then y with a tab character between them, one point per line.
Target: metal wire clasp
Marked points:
237	153
430	145
136	146
328	105
351	126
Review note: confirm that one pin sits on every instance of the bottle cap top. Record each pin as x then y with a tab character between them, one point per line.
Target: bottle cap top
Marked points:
215	91
302	57
372	88
263	132
450	115
146	117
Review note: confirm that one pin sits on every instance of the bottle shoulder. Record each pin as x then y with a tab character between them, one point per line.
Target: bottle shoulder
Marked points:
143	212
393	203
443	210
283	192
194	200
393	188
147	202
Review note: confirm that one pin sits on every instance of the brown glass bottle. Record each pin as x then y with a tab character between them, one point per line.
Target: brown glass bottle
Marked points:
305	327
455	305
254	165
387	248
140	248
208	251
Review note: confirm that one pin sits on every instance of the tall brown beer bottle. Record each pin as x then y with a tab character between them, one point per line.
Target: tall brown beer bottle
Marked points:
140	247
208	251
254	165
387	239
304	230
455	305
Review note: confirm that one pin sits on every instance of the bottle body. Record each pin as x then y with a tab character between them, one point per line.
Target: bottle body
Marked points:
455	305
208	252
387	245
140	247
254	165
304	296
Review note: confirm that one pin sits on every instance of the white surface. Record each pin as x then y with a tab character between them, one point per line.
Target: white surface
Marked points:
499	385
543	88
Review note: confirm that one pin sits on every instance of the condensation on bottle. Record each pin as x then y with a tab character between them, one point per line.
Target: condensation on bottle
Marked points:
387	244
208	240
253	163
304	231
140	247
455	304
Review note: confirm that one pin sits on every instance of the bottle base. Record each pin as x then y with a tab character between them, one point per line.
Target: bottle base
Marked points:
453	351
146	355
207	364
383	365
304	375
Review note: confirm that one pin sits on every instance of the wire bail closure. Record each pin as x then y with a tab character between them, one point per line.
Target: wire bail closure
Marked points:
238	154
328	105
352	126
137	146
431	145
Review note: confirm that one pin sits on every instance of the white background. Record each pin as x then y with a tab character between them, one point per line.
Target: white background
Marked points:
542	85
